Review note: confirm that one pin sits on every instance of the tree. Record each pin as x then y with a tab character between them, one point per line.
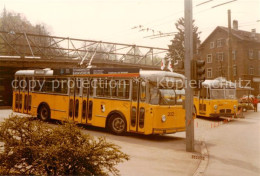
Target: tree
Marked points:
176	49
12	23
32	147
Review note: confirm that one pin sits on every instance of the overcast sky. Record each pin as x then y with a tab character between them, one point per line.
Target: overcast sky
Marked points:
113	20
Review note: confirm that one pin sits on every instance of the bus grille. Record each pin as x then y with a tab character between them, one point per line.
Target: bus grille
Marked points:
225	111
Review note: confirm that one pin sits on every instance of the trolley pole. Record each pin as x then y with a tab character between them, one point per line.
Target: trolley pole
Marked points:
188	46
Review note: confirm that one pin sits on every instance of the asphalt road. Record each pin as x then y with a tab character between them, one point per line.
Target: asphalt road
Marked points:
149	155
233	147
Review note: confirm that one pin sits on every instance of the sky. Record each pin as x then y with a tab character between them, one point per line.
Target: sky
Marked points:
117	20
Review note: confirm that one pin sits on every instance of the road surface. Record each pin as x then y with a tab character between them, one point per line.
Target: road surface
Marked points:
233	148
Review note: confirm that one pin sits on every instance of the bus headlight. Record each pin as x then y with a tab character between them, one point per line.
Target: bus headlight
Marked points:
163	118
235	107
215	107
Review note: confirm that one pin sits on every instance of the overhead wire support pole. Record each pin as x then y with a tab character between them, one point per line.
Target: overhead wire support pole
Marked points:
188	44
230	64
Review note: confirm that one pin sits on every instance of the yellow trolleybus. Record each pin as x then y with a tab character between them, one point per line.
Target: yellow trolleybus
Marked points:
216	98
122	100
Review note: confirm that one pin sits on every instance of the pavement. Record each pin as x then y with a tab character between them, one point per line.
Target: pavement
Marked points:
149	155
234	147
222	147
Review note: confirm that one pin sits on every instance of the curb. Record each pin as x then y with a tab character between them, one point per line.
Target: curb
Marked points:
204	161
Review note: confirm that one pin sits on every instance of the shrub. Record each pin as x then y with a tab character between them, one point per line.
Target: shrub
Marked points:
33	147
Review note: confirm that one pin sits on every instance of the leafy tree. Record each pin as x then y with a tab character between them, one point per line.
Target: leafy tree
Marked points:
12	23
34	148
176	49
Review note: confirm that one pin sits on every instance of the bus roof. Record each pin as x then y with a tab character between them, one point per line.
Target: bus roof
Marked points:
151	74
155	75
218	83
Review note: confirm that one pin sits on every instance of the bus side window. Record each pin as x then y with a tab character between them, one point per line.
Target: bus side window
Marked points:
85	87
26	82
92	87
142	91
77	108
16	84
141	117
133	116
113	88
71	86
123	89
78	87
134	90
84	108
90	108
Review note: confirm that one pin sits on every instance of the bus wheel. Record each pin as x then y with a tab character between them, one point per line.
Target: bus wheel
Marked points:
44	113
117	124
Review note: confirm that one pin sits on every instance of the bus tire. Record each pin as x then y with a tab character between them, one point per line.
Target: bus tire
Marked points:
117	124
44	112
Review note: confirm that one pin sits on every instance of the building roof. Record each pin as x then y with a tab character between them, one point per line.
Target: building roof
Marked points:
240	34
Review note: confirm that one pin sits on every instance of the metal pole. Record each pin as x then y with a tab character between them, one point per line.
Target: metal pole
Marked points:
230	65
188	44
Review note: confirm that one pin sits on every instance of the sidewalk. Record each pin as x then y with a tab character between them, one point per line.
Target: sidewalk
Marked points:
234	149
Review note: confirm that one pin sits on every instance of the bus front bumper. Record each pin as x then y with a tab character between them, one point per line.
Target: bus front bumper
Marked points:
168	130
222	114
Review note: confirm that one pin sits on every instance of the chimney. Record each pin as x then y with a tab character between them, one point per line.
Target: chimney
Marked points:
253	33
235	24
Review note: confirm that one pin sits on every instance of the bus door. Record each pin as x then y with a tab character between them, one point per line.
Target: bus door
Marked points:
75	99
85	100
137	114
17	104
24	95
202	102
28	95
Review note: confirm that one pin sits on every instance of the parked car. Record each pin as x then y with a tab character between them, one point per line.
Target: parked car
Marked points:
246	98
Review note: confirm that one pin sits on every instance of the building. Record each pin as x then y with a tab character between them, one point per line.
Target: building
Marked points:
245	62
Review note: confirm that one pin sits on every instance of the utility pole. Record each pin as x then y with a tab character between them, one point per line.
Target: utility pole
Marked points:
188	45
230	64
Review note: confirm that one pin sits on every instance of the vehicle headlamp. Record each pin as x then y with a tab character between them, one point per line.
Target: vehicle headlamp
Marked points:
215	107
235	107
163	118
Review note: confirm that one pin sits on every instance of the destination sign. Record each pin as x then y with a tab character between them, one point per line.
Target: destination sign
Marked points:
87	71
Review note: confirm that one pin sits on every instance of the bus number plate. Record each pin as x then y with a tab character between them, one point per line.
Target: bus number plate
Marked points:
170	113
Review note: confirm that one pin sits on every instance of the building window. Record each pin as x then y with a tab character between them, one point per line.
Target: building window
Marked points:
234	70
219	43
218	71
220	57
251	54
209	72
209	58
251	70
234	54
212	45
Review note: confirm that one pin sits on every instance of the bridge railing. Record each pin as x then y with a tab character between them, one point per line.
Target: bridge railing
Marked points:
34	46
